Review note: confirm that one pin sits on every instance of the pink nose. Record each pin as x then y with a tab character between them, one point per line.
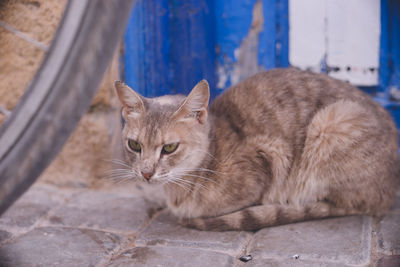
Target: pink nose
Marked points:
147	175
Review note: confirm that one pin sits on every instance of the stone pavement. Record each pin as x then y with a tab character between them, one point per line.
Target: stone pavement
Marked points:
50	226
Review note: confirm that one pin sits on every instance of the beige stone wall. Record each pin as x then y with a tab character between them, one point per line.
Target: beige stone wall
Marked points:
26	31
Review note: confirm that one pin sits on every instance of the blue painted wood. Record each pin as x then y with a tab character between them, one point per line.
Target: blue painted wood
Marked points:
232	22
192	44
395	43
282	34
389	63
384	53
273	47
147	48
169	46
267	52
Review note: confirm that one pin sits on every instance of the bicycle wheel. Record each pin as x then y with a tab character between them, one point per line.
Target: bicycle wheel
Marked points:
60	92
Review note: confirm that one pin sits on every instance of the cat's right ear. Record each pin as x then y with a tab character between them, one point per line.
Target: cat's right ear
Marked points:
131	101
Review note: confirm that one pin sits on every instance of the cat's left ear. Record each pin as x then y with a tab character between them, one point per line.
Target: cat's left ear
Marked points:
130	100
195	104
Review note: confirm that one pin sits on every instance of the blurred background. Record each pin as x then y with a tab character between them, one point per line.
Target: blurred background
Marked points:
170	45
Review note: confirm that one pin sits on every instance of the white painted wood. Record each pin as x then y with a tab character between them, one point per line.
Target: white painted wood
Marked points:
306	33
344	32
353	39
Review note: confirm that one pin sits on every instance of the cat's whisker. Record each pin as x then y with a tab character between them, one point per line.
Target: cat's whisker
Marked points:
199	170
184	181
121	181
202	177
120	174
180	180
205	152
190	182
118	171
119	177
196	176
118	162
180	185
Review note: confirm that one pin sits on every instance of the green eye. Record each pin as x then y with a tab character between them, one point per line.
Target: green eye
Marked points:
169	148
135	146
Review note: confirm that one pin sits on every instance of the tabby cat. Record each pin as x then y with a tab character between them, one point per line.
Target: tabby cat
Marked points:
280	147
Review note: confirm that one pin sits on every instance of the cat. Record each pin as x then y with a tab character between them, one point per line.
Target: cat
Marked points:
280	147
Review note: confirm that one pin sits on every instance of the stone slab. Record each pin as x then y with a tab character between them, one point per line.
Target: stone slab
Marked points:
59	247
290	263
32	206
389	261
4	235
389	234
171	256
165	230
340	240
102	210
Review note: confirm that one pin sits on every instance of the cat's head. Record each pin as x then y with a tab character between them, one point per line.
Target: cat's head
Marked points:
164	137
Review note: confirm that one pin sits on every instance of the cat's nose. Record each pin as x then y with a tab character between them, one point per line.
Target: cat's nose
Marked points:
147	175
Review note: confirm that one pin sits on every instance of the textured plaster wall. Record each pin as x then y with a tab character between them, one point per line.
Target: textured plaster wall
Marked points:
26	30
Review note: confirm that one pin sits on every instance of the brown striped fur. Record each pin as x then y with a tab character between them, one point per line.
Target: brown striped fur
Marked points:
282	146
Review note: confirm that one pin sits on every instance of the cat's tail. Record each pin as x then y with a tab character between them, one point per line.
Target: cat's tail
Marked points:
257	217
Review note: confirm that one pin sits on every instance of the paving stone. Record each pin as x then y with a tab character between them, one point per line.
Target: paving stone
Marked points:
341	240
171	256
4	235
101	210
290	263
389	261
32	206
389	234
58	247
165	230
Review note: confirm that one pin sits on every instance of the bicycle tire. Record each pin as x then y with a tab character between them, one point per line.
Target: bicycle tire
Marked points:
60	92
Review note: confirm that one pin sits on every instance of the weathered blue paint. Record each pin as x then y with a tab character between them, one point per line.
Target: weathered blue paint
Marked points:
147	48
273	47
283	33
232	20
192	44
172	44
233	23
267	52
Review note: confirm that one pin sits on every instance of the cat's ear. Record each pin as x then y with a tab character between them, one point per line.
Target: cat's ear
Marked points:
130	100
195	104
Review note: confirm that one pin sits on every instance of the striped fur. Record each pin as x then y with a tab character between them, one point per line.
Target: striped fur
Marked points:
257	217
280	147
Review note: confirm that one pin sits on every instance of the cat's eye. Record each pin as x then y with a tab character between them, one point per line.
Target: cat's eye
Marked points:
169	148
134	145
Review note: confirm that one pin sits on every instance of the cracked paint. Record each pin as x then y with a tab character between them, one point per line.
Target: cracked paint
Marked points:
245	57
